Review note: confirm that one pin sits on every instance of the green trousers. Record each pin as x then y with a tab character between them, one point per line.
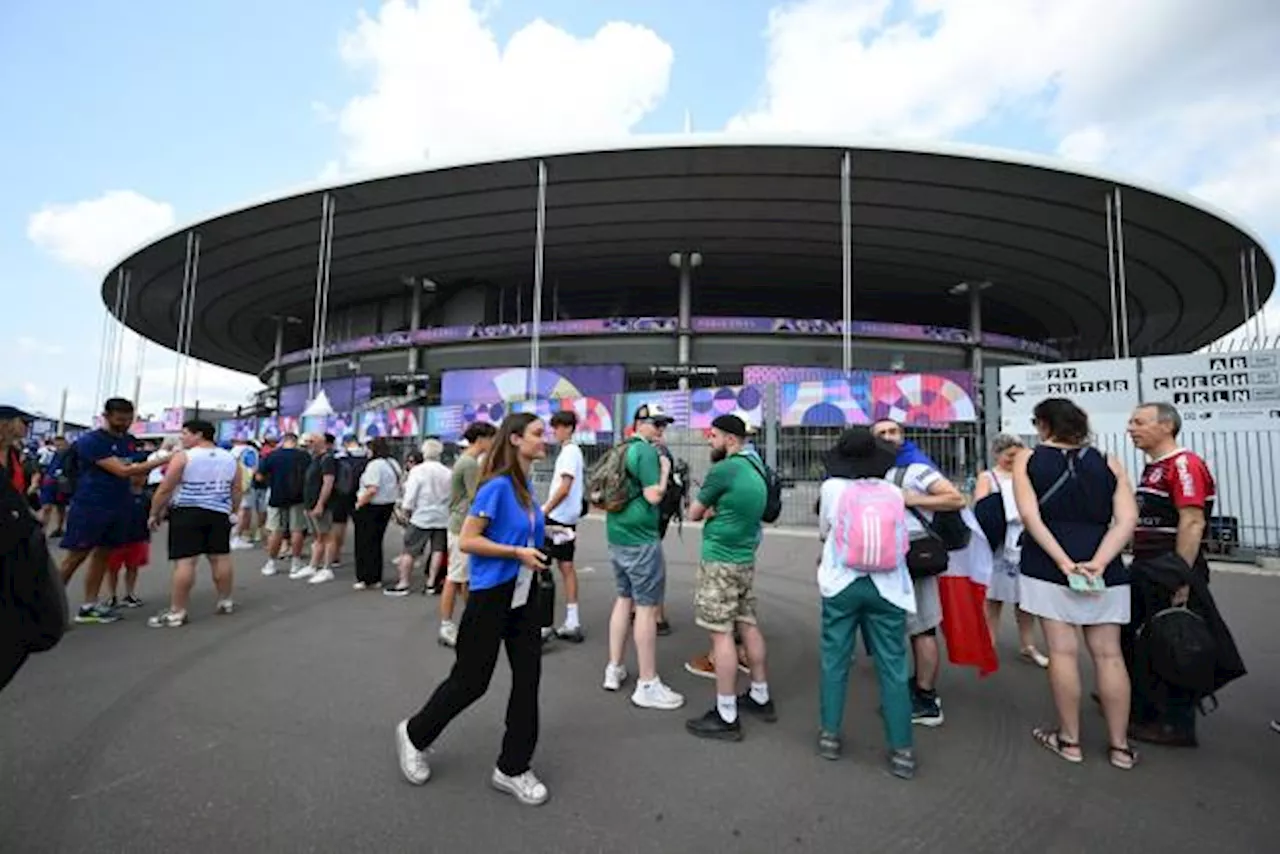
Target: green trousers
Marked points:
884	626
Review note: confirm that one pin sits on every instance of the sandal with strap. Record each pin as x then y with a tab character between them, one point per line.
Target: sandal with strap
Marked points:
1125	758
1053	741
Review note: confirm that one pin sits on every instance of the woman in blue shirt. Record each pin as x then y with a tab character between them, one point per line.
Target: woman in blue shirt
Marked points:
501	534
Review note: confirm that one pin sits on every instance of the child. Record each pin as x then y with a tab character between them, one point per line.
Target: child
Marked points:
136	551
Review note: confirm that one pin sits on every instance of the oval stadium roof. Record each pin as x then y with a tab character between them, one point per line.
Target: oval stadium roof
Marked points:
925	217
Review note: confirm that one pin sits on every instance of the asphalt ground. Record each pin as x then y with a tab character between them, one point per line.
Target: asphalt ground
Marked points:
271	731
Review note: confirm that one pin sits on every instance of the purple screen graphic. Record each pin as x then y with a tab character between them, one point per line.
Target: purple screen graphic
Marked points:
488	386
344	395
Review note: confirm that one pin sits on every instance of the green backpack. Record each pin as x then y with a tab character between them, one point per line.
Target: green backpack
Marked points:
608	483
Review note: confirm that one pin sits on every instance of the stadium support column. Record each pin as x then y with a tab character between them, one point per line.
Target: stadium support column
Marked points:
846	258
190	273
1257	304
974	291
535	342
1115	220
320	313
415	323
685	262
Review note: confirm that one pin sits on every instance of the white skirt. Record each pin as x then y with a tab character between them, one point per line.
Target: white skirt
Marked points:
1061	603
1005	580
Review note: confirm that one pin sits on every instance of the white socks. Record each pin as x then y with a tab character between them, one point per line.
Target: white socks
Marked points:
727	706
759	692
571	616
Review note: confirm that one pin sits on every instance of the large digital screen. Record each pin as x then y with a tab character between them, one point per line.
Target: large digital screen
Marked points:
344	394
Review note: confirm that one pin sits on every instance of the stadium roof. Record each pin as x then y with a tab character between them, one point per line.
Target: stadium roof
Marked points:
925	217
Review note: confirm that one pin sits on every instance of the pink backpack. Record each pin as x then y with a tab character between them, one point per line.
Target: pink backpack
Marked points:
871	526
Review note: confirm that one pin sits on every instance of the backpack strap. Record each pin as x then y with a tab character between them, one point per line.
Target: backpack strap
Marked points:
1067	474
900	475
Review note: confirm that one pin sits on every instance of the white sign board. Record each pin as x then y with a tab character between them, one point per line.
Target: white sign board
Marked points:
1217	391
1106	389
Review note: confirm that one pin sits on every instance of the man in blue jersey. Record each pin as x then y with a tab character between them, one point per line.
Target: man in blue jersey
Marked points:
98	518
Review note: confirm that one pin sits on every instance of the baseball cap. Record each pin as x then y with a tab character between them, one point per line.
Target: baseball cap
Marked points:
653	412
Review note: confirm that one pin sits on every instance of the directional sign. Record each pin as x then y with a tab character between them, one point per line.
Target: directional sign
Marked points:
1217	391
1106	389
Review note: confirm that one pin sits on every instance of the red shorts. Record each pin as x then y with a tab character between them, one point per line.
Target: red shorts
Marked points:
134	555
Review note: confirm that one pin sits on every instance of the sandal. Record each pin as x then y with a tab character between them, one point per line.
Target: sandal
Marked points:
1053	741
1125	758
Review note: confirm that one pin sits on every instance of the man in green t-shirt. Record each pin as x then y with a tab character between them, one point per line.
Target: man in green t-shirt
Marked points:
638	569
464	481
731	502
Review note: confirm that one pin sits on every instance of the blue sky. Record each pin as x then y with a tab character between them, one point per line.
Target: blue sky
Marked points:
201	105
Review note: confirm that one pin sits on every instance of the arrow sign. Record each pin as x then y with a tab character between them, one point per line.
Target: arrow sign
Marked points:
1013	393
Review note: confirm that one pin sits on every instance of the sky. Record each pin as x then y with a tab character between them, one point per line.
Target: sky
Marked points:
124	120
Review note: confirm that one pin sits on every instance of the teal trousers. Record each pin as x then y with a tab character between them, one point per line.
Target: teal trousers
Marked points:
884	627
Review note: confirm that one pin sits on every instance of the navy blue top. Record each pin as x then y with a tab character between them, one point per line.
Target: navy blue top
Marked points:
1078	514
96	487
510	524
138	531
278	468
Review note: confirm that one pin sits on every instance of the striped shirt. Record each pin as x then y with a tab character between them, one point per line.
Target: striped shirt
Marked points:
206	480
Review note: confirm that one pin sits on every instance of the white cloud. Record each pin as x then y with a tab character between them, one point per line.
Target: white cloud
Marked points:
443	87
1178	92
28	346
91	234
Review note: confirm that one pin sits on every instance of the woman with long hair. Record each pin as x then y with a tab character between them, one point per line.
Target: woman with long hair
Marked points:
502	533
1079	512
375	502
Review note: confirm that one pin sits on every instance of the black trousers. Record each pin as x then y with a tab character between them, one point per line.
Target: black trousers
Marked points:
371	526
489	622
12	656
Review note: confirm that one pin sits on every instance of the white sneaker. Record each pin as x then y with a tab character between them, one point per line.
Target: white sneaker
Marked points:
322	577
448	634
168	619
302	572
359	585
413	762
656	696
239	545
269	568
614	676
527	788
225	606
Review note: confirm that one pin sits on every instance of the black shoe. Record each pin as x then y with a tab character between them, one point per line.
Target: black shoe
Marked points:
664	628
1162	734
711	725
764	711
902	764
829	746
573	635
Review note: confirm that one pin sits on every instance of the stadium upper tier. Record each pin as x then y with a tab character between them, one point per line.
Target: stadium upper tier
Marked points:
764	214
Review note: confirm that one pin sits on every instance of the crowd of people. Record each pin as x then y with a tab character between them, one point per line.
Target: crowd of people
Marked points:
1053	523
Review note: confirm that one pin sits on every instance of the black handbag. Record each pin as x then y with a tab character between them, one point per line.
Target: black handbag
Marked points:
989	511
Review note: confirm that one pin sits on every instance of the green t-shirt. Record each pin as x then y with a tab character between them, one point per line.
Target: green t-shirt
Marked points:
462	490
637	523
736	490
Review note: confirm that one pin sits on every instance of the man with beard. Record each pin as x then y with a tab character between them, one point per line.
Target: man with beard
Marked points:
732	501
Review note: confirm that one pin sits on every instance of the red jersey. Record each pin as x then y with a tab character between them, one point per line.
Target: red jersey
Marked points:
1176	480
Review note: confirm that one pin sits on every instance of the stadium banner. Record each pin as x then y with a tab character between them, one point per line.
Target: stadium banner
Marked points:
373	425
818	327
496	387
696	409
345	394
595	420
935	399
237	428
277	425
404	422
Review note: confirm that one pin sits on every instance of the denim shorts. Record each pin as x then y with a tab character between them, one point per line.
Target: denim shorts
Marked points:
640	573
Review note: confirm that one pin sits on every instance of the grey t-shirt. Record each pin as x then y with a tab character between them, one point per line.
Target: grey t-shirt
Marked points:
462	490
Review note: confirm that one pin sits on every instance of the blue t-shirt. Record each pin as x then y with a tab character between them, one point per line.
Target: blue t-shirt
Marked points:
138	531
509	524
96	487
279	467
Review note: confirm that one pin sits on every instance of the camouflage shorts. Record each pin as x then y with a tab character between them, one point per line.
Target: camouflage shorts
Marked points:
725	595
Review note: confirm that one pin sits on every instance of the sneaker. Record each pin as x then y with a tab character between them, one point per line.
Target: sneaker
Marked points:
614	676
701	665
926	710
168	619
324	576
113	603
714	727
413	762
1275	726
766	712
448	635
132	601
664	628
829	746
301	572
397	590
547	633
239	545
359	585
1031	655
269	568
572	635
655	695
902	764
527	788
96	614
225	607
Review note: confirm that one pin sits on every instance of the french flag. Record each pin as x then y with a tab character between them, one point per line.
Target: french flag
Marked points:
962	590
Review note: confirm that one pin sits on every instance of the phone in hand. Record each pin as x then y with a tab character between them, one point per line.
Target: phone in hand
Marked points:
1086	584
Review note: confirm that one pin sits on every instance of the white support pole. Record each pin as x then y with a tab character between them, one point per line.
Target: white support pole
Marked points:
324	303
138	358
109	380
535	342
182	320
315	312
1111	278
1246	301
846	249
1121	267
124	318
102	354
62	412
191	315
1261	316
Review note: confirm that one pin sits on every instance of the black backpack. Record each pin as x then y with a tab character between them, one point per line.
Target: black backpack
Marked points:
947	525
349	469
33	603
773	491
69	476
1180	649
673	500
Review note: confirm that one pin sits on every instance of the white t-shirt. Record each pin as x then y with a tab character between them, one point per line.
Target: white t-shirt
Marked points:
385	475
919	477
834	576
426	495
569	461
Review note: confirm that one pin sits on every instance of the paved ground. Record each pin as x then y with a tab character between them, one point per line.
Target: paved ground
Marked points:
271	730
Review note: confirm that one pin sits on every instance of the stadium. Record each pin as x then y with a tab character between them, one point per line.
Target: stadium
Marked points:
717	262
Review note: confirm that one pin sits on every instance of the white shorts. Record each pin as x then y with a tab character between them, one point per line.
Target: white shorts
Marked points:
928	613
459	570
